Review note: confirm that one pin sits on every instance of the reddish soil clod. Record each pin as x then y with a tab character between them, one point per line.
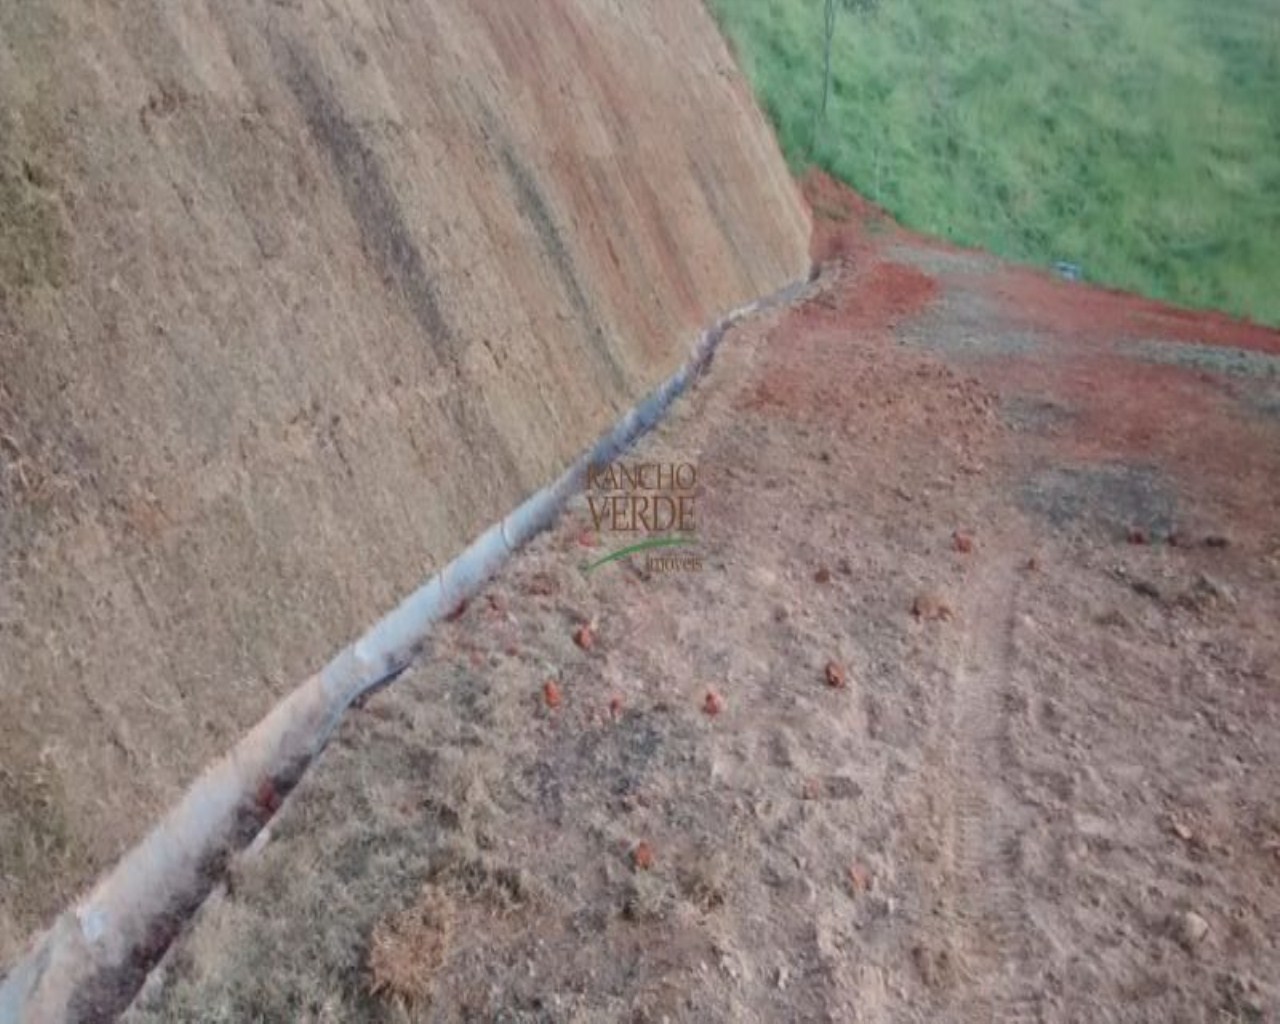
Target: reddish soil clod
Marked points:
962	542
459	610
551	693
542	584
267	797
835	675
713	704
585	637
642	857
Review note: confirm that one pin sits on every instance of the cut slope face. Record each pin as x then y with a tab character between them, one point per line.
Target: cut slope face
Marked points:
291	305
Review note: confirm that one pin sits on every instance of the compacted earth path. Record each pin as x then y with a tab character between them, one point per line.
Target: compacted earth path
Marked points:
963	704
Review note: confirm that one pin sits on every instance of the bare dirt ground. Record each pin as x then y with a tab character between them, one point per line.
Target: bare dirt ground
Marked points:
1035	527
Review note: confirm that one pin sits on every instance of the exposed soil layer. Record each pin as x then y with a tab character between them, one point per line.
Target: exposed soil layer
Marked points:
295	300
968	712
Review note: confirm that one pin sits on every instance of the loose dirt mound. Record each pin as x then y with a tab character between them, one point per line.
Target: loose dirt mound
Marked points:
968	714
292	304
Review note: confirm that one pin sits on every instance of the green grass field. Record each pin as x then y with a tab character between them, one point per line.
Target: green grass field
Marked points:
1137	138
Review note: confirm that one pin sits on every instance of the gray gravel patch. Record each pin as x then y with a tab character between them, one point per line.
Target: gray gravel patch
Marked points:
1265	402
964	325
1035	415
1112	498
1212	358
938	263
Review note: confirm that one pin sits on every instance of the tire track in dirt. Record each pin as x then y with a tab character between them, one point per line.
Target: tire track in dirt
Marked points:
994	935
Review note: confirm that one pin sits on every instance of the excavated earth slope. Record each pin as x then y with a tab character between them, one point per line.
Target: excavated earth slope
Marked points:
294	300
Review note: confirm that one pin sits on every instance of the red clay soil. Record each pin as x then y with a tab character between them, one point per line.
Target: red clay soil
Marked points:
880	295
843	221
1121	406
1101	313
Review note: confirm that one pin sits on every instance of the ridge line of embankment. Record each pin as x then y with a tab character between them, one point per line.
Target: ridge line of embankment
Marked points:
89	965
